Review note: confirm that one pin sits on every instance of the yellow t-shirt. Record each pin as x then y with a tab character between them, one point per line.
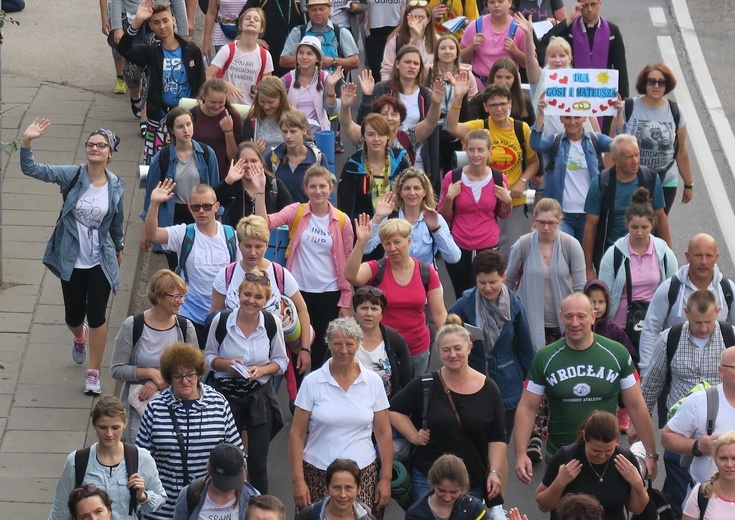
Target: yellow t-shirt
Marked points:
455	9
506	154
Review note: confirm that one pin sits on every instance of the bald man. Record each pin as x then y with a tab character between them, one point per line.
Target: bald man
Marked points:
579	373
667	306
686	432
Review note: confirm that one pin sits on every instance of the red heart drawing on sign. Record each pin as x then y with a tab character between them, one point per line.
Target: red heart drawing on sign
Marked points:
564	80
561	106
552	102
594	110
568	110
553	76
611	102
603	107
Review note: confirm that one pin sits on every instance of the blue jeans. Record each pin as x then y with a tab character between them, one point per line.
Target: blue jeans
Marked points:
573	224
419	485
676	483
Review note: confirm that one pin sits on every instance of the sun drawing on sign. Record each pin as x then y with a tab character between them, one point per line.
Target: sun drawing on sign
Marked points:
603	77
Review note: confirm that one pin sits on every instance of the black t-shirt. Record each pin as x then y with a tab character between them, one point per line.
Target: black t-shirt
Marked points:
540	10
613	493
483	418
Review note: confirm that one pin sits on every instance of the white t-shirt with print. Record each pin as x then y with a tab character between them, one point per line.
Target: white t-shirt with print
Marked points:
317	270
232	299
211	511
244	69
89	212
577	181
209	255
378	362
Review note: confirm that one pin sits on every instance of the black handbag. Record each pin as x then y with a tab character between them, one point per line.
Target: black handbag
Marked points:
637	310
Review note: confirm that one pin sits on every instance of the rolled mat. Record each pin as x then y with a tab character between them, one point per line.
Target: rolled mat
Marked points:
400	485
324	140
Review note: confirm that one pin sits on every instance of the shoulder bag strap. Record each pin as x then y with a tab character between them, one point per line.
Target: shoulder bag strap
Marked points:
180	439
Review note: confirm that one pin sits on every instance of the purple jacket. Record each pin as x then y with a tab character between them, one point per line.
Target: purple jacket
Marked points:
606	327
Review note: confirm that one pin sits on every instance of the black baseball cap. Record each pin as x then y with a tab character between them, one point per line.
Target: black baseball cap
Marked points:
227	467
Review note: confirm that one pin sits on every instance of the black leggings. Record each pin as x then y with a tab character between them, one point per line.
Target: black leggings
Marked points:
86	294
322	309
461	273
669	198
375	48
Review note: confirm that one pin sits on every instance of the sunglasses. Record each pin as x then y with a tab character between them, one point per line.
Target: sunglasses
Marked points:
83	491
654	82
417	3
362	291
262	280
100	145
197	207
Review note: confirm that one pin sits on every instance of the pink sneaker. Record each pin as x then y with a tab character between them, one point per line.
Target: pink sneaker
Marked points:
92	384
79	347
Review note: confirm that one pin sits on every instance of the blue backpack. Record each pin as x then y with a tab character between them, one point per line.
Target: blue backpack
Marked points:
330	40
188	244
511	30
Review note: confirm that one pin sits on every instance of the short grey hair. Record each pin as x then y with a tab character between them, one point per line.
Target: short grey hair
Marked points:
620	140
347	326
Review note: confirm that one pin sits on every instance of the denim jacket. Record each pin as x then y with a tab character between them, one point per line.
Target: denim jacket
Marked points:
556	176
510	359
62	250
208	174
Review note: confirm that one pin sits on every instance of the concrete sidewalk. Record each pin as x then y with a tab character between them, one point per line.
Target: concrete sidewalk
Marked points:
44	413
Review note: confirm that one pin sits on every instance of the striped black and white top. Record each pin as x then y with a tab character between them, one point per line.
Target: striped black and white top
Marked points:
205	423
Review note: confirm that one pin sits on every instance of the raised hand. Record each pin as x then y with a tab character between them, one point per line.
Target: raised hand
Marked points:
367	83
524	24
145	10
438	11
386	205
437	91
163	192
334	76
454	190
415	25
461	83
36	129
257	174
541	103
349	95
261	144
363	228
236	171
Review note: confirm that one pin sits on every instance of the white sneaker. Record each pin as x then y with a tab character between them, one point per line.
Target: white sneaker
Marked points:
79	347
92	382
498	513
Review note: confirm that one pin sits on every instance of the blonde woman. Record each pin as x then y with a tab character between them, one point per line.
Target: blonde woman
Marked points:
719	490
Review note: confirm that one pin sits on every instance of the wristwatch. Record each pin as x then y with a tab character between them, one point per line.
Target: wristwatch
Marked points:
524	181
689	186
695	449
304	349
653	456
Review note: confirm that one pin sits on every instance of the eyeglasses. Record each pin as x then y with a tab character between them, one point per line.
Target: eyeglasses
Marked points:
197	207
191	376
363	291
178	297
100	146
83	491
495	106
262	280
417	3
547	223
653	82
590	5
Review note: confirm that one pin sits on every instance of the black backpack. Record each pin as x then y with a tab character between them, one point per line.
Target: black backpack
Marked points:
608	183
675	285
658	507
81	459
269	320
702	501
139	322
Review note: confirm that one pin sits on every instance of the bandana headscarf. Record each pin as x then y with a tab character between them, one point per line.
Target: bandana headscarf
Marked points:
112	139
